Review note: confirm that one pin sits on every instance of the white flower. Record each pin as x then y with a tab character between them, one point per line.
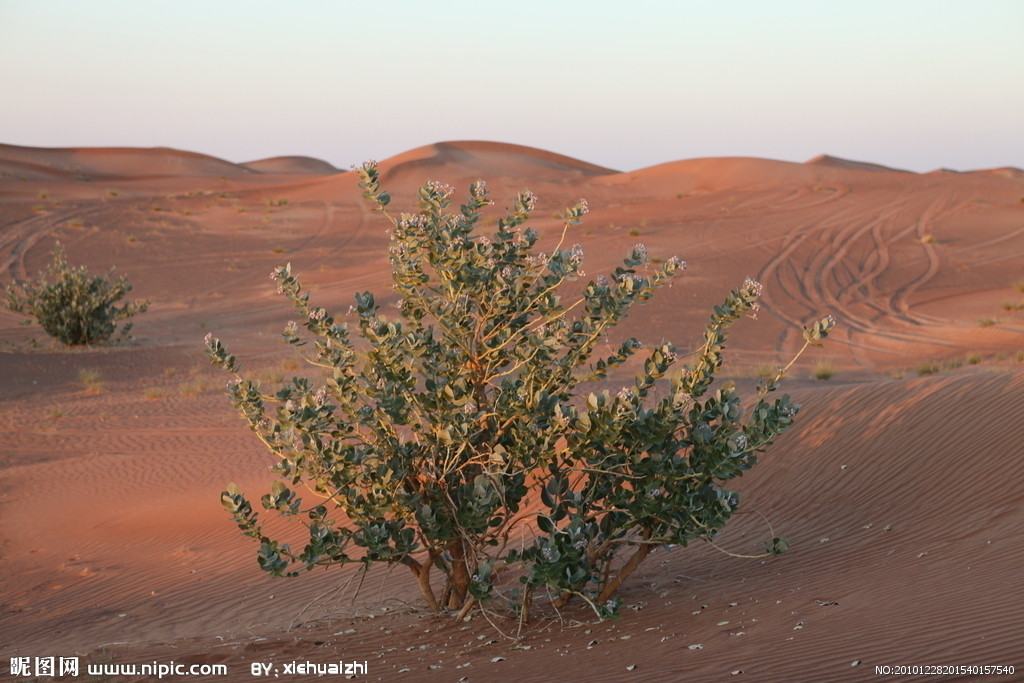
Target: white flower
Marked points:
676	263
528	199
752	285
443	189
415	220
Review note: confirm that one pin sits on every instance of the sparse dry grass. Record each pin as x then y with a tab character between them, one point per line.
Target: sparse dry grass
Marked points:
824	369
197	385
90	381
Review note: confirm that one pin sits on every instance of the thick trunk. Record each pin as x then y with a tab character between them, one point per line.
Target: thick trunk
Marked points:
459	576
422	574
634	561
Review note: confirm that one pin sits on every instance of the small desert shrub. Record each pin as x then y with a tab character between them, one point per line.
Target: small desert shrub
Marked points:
1019	286
973	358
897	374
72	306
987	322
455	436
633	232
153	393
272	376
764	371
90	379
195	386
928	368
824	369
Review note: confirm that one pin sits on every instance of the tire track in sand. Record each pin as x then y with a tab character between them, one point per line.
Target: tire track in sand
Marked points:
19	237
816	268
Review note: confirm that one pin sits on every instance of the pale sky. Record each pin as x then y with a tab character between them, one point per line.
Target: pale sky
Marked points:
915	84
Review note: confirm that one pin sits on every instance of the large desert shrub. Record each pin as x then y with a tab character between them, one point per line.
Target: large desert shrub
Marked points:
454	436
72	306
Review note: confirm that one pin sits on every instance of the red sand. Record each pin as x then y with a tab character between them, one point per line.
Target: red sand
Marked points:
900	494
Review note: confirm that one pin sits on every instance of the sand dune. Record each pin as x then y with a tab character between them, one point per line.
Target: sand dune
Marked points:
87	163
898	488
502	165
292	164
837	162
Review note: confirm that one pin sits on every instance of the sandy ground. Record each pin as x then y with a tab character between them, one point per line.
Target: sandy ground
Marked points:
899	488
